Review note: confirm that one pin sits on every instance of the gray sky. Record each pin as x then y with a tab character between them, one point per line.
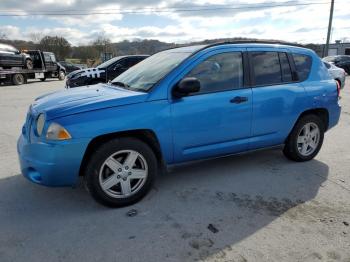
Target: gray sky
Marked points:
174	20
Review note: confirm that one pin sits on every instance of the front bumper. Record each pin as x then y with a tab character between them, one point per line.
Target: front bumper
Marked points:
51	164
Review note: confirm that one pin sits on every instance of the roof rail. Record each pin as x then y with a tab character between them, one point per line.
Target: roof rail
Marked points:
276	42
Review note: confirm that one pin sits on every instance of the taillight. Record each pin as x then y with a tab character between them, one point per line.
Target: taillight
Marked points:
338	87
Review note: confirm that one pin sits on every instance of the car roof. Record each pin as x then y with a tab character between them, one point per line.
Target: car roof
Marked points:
7	47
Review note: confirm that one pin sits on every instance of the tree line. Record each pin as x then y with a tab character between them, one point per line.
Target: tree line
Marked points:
91	53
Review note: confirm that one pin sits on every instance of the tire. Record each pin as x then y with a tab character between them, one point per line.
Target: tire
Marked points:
61	75
18	79
301	150
108	187
43	79
29	64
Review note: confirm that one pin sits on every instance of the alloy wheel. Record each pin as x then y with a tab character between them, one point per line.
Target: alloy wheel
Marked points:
308	139
123	174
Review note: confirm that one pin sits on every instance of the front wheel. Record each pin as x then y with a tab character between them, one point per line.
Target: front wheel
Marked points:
61	75
29	64
305	140
121	172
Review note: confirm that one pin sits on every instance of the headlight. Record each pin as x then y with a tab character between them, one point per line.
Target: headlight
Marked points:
57	132
40	121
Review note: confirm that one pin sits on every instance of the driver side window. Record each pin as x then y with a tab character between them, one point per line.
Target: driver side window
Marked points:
219	72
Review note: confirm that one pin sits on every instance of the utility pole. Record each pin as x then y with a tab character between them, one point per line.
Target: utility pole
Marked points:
325	50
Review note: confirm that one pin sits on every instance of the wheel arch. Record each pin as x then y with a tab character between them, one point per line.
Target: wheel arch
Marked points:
322	113
145	135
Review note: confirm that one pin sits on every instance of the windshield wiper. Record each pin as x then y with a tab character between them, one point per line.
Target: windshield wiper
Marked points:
121	84
127	87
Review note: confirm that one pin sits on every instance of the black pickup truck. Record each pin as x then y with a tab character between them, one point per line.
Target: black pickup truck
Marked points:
12	57
44	66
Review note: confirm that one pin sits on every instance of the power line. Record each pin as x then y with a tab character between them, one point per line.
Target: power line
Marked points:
159	8
163	10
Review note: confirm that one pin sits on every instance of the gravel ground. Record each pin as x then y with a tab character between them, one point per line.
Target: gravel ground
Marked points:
251	207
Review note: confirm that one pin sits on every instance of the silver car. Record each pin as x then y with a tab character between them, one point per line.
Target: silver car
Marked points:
336	72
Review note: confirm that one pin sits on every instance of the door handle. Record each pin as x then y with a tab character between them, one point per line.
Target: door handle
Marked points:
239	99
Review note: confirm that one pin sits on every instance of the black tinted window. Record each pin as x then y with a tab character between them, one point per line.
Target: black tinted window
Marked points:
219	72
267	69
132	61
285	66
303	65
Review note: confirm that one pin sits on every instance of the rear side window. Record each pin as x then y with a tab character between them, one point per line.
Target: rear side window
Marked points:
267	69
303	65
219	72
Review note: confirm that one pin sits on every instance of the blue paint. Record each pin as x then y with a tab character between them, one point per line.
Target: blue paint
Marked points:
189	128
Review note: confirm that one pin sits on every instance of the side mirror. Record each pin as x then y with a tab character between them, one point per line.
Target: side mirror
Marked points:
186	86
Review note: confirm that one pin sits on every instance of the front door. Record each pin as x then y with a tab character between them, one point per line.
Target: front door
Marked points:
216	120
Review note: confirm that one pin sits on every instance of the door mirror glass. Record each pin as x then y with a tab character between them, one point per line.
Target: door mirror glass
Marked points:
187	86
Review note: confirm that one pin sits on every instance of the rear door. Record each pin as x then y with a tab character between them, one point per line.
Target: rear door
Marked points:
277	96
216	120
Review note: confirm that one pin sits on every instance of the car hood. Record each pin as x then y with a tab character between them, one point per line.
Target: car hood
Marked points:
83	99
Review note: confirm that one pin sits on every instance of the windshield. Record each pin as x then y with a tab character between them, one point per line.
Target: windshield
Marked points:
145	74
108	62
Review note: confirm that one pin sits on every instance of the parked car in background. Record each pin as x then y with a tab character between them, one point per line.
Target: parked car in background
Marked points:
104	72
179	105
70	67
337	73
12	57
342	61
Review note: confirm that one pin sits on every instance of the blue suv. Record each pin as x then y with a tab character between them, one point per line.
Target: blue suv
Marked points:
179	105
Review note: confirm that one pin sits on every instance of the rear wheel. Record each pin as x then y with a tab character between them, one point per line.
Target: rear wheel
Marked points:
29	64
121	172
18	79
305	140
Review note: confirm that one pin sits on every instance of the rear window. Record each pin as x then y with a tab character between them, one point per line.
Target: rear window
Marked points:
303	65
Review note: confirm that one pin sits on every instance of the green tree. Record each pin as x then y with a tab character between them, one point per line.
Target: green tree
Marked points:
56	44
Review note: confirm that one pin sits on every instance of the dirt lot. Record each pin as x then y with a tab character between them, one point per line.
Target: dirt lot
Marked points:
264	207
